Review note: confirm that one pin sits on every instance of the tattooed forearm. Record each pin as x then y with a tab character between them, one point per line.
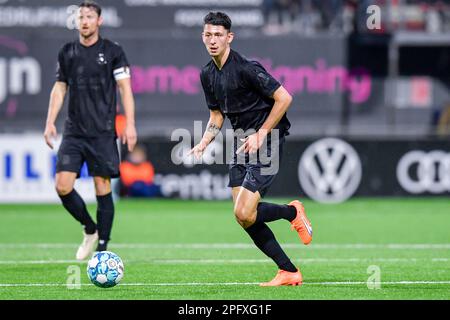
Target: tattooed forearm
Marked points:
213	128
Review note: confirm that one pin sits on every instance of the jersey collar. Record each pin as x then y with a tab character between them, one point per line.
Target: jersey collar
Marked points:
96	44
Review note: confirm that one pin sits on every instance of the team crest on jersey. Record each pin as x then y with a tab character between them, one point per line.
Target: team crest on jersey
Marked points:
101	59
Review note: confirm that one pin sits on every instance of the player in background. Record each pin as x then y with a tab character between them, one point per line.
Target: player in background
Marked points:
90	69
252	99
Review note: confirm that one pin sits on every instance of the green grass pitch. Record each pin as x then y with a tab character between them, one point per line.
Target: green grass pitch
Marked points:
196	250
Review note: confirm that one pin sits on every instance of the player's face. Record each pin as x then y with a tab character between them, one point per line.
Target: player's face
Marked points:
88	22
216	39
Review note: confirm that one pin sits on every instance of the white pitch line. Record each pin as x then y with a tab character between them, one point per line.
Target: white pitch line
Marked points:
303	261
6	262
375	283
233	261
194	284
391	246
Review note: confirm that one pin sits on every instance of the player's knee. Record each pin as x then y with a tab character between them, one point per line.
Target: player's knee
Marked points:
102	187
63	188
243	215
102	190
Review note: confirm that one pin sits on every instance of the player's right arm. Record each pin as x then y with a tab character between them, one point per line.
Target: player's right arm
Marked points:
216	116
213	127
57	96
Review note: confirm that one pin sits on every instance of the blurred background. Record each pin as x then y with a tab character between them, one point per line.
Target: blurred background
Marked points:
370	80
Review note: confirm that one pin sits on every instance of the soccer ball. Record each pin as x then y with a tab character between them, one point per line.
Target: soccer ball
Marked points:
105	269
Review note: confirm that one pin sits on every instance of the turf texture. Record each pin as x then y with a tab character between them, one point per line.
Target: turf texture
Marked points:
363	249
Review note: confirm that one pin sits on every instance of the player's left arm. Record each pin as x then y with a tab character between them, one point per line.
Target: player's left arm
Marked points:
126	94
282	102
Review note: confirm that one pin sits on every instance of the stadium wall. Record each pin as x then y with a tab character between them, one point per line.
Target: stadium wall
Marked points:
166	82
339	82
27	171
330	169
332	96
325	169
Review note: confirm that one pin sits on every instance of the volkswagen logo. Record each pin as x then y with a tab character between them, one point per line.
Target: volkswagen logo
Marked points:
419	172
330	170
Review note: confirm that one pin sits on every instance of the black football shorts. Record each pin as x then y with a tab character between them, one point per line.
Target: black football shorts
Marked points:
100	154
256	175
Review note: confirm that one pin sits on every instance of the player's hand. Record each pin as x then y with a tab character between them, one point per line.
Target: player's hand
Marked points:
50	134
253	142
198	150
130	137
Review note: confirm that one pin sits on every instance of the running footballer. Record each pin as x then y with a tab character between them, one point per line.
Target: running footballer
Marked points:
256	103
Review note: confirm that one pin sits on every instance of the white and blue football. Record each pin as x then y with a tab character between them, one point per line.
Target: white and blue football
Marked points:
105	269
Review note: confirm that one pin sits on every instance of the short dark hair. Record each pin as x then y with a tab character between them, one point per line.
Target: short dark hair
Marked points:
92	5
218	19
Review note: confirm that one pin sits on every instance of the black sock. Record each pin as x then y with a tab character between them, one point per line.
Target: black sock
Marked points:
105	217
77	208
265	240
268	212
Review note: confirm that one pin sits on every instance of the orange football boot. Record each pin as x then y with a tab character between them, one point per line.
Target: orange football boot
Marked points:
301	223
285	278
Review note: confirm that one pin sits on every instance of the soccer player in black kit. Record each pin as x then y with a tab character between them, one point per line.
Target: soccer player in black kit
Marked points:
256	103
90	69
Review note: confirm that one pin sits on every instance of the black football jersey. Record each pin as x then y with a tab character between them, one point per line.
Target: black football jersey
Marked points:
91	74
242	90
